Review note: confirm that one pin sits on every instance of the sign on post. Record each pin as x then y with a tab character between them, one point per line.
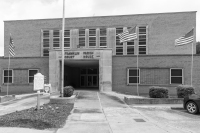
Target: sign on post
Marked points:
38	82
38	85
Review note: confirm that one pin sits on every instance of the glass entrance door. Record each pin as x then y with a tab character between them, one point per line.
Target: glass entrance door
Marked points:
92	81
89	77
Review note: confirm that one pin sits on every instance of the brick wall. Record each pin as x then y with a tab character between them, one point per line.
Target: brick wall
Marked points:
121	63
163	29
23	64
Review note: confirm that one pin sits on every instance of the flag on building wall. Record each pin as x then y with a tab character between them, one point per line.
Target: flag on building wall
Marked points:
186	39
128	35
11	47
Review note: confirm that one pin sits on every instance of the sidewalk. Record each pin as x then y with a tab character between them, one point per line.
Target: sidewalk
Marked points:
106	113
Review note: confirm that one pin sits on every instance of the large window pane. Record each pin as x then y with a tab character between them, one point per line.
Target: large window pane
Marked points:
31	75
176	76
133	79
176	72
133	76
8	76
176	80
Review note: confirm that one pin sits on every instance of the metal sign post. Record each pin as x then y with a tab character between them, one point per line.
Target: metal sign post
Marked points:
38	100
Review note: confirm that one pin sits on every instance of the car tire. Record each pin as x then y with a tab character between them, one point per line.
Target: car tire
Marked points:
192	107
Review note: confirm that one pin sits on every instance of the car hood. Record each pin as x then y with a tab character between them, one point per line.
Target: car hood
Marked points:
194	96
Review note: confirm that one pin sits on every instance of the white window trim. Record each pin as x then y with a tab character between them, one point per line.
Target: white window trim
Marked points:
128	76
92	36
119	46
130	45
82	37
59	37
103	36
31	76
66	37
8	76
177	76
42	39
146	38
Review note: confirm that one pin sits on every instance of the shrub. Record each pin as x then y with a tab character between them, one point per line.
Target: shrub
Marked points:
68	91
158	92
184	90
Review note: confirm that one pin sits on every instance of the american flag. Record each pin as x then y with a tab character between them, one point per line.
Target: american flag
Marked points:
128	35
186	39
11	47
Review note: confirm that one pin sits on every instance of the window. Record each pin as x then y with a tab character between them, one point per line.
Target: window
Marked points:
119	46
92	37
67	39
45	52
176	76
130	46
7	76
82	37
103	38
133	76
46	42
56	39
31	74
142	40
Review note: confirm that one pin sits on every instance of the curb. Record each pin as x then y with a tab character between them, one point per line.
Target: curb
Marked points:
150	101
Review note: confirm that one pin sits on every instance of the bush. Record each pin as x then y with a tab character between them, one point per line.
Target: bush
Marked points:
184	90
68	91
158	92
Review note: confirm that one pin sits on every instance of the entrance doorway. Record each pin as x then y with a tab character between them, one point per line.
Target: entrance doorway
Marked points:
82	74
89	77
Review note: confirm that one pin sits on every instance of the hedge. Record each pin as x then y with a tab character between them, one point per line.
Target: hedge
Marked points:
158	92
184	90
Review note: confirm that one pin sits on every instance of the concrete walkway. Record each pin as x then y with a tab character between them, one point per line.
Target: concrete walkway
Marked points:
105	113
96	112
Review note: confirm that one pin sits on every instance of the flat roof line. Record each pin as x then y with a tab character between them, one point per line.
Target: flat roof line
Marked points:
102	16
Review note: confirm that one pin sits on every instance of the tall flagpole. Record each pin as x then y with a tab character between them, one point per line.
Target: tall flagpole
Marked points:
192	58
137	67
192	63
8	73
137	72
63	31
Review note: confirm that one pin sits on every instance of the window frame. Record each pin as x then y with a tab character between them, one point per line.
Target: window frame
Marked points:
31	76
103	36
117	41
128	82
69	37
130	46
8	76
182	76
56	37
92	36
82	36
142	34
45	48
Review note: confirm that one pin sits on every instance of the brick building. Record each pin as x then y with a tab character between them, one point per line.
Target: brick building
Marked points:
94	58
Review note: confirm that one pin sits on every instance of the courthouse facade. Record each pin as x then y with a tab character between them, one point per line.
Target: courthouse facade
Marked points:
94	57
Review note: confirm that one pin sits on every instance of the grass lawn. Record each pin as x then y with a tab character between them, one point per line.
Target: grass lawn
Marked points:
49	116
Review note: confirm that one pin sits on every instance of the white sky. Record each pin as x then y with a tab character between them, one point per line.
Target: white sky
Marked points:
40	9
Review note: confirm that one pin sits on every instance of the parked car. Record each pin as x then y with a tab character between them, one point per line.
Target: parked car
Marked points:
192	103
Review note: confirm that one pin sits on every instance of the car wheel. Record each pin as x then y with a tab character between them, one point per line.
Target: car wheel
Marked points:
191	107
